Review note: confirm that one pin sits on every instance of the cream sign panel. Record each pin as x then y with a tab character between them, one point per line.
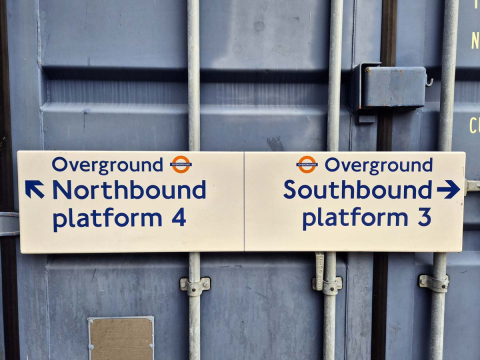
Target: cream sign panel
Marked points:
354	201
94	202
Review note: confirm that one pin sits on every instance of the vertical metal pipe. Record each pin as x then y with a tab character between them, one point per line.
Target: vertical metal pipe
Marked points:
193	75
449	57
329	308
333	140
438	308
194	308
449	60
193	9
334	75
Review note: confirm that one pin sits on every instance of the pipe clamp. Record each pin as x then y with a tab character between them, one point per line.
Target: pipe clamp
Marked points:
437	285
331	288
195	288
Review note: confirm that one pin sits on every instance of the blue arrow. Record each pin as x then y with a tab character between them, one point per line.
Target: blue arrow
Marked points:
452	189
31	185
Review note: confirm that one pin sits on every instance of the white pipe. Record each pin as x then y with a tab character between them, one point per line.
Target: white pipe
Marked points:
449	58
329	308
193	75
194	308
438	308
334	75
333	140
193	9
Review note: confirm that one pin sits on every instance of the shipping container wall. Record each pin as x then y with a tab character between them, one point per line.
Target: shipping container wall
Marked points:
419	43
111	75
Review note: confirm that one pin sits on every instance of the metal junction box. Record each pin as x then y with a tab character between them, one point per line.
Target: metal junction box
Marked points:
393	87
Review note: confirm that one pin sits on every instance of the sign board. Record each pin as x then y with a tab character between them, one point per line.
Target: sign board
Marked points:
97	202
352	201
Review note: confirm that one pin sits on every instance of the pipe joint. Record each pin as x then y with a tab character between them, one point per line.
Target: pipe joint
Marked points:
195	289
330	288
436	285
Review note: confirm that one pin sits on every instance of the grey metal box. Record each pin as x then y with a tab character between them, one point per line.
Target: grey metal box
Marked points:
394	87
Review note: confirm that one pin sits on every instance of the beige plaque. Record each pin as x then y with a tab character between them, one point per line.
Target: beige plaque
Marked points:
121	338
111	202
353	201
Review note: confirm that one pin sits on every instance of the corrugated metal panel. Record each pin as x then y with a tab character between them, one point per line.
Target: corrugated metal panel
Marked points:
111	75
408	318
249	34
248	309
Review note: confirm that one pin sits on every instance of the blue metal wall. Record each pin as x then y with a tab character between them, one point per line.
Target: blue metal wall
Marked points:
111	75
419	43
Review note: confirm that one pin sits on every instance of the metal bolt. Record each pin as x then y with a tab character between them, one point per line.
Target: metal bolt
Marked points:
205	284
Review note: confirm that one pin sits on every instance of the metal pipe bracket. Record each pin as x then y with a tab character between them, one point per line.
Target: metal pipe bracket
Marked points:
317	282
330	288
195	288
437	285
471	185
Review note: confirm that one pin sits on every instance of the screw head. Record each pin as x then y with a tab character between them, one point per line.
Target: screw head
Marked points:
205	284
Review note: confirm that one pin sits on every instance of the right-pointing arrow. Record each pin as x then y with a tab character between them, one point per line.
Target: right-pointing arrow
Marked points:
31	185
452	190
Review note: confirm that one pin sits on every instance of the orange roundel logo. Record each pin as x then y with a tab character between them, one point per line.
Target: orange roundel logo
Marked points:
181	167
307	164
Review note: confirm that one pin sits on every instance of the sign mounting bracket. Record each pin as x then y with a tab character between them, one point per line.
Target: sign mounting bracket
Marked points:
436	285
472	185
195	288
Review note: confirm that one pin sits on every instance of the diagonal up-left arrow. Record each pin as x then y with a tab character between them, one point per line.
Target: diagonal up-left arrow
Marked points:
31	185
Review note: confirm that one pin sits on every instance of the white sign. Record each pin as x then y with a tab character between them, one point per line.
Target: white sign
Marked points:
352	201
96	202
